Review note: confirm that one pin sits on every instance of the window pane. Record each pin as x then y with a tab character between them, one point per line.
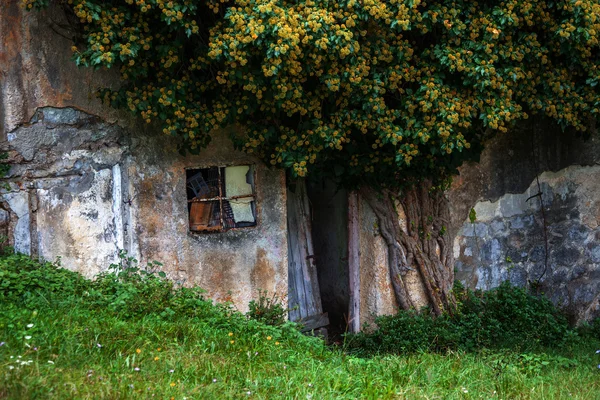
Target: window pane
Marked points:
232	191
239	183
203	183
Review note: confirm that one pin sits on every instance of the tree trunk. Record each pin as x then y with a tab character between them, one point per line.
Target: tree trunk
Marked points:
424	243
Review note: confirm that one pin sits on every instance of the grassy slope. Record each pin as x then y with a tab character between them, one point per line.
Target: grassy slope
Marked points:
219	356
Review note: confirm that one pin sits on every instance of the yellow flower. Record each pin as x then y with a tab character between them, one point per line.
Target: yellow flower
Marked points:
172	384
158	349
232	341
156	358
138	351
276	343
230	333
269	338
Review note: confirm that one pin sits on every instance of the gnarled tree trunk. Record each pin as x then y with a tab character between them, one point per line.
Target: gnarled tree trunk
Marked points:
424	243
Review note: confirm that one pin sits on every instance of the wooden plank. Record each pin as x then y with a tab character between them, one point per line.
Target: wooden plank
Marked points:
314	322
354	262
296	295
309	269
294	260
302	276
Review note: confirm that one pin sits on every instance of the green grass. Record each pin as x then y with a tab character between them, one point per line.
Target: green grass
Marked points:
81	347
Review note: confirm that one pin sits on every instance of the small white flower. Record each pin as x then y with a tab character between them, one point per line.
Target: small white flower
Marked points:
99	345
27	337
2	344
597	351
465	390
214	381
30	325
171	371
248	393
11	367
50	362
136	369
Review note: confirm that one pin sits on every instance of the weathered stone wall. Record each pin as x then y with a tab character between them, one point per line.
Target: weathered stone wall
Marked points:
507	240
82	190
83	187
36	68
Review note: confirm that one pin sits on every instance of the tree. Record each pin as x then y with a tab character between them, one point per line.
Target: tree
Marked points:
386	95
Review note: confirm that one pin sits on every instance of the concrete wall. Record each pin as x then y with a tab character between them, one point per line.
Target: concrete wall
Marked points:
82	187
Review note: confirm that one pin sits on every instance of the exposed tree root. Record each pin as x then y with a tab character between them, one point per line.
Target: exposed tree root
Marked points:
425	245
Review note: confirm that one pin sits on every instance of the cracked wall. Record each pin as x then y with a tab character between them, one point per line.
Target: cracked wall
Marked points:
83	190
82	187
507	240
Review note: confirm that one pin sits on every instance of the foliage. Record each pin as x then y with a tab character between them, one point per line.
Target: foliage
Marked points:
268	310
376	91
24	280
4	167
57	343
504	317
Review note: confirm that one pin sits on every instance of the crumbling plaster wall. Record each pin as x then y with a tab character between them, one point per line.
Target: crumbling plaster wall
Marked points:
376	291
506	242
82	187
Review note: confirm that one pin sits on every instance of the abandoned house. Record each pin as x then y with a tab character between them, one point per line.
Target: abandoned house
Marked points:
86	183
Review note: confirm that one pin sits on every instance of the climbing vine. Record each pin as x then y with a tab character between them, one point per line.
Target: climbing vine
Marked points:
384	92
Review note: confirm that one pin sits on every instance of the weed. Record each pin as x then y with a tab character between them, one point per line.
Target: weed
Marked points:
267	309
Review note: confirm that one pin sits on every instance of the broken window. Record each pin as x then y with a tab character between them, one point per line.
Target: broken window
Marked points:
221	198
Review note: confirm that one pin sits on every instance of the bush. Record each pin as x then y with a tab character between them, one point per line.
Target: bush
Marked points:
125	290
24	280
267	310
507	317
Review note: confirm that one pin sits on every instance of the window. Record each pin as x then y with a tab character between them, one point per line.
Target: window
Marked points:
221	198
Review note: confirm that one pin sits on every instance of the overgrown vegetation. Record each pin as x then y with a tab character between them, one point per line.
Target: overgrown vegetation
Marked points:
132	334
505	317
376	92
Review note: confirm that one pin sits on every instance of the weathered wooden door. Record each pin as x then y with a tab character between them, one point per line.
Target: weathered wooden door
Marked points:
304	297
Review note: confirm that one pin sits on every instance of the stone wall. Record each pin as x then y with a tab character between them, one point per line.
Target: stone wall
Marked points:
83	187
507	240
82	190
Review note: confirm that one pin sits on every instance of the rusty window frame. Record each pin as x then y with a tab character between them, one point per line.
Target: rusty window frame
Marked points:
221	198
